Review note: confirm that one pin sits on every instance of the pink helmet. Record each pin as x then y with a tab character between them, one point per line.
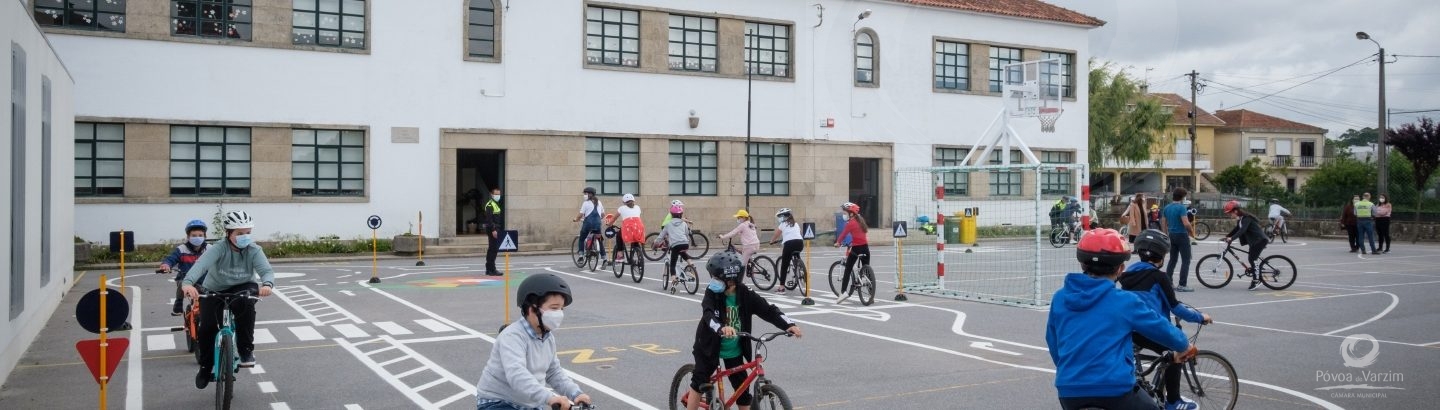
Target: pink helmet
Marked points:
677	209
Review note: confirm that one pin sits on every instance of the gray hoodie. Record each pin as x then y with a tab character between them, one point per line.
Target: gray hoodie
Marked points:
677	232
224	267
522	368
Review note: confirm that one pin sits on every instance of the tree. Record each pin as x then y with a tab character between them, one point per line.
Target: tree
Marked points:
1124	121
1337	180
1359	138
1249	178
1420	144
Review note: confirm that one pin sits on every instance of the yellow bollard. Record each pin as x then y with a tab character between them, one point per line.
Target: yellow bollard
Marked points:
421	217
807	301
507	289
122	263
900	270
104	379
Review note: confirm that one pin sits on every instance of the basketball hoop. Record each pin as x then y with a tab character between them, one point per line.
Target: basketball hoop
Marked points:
1048	116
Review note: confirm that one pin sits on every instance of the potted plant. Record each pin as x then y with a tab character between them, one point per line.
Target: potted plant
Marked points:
82	250
406	244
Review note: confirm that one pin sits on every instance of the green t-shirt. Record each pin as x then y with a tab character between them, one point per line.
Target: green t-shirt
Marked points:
730	346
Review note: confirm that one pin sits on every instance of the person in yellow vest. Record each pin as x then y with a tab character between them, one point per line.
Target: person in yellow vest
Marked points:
495	228
1365	221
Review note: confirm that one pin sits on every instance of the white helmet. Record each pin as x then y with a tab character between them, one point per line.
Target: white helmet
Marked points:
627	198
782	211
238	220
677	203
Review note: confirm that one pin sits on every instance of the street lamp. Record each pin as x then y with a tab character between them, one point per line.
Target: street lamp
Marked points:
1381	152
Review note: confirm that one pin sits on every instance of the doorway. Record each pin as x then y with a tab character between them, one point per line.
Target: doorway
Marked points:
865	188
477	170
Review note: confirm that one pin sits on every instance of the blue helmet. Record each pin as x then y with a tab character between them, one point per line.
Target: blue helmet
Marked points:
195	224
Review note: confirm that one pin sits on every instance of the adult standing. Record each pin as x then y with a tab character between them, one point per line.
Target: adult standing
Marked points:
1175	220
1347	221
1382	222
1134	216
1365	221
494	227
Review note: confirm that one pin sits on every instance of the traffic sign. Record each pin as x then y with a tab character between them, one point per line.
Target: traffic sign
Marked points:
114	351
900	231
510	241
373	222
807	230
115	241
87	312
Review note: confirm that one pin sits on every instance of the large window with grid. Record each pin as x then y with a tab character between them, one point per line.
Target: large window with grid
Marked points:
693	167
327	163
211	18
1061	76
867	56
767	49
99	159
482	23
1057	182
99	15
1005	183
612	36
769	169
999	58
956	183
209	160
612	165
952	65
329	23
693	42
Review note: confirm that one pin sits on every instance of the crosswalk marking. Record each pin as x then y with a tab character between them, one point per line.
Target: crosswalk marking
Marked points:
306	333
159	342
392	328
268	387
279	406
257	369
353	407
263	336
434	325
350	330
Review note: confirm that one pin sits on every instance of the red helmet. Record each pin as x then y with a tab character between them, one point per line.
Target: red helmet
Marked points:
1104	247
850	207
1231	206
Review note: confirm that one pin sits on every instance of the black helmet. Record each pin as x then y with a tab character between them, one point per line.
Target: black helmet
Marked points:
590	190
1152	244
725	266
536	287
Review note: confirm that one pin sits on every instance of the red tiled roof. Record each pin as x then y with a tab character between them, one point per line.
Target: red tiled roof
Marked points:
1181	108
1030	9
1246	119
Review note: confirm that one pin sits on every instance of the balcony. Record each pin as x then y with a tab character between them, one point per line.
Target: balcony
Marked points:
1292	161
1164	160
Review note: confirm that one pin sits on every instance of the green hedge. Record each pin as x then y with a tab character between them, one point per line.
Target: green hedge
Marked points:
281	247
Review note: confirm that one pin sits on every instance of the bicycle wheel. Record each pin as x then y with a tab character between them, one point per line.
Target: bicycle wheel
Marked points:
699	241
225	384
837	274
800	274
665	279
761	268
636	262
653	251
1211	381
771	397
617	267
1214	271
1277	272
1202	231
1284	234
1058	238
577	254
690	279
680	386
866	285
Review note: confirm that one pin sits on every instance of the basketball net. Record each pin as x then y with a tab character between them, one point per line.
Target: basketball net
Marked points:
1048	116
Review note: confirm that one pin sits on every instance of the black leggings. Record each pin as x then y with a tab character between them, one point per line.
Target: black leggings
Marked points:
705	367
1254	255
1172	373
861	252
792	247
1382	230
677	252
244	311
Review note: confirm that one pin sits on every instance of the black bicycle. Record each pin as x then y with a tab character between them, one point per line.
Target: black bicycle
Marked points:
634	260
797	276
1215	270
658	248
1208	378
759	268
862	279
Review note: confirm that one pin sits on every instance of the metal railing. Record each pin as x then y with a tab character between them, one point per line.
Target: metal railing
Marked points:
1294	161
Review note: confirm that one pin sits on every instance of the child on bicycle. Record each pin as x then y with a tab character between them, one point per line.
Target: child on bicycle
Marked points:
632	228
745	230
1277	214
660	241
1089	327
728	308
1148	281
789	231
1248	229
523	371
590	213
229	268
677	234
183	257
857	230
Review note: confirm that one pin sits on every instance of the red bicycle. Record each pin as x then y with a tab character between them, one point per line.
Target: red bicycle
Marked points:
767	394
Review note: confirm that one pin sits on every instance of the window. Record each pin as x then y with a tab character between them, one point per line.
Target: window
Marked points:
99	15
767	49
999	58
1002	182
17	180
612	165
211	18
612	37
99	159
45	163
769	169
327	163
1061	76
956	183
329	23
1257	146
866	55
209	160
692	43
1057	182
692	167
482	29
952	65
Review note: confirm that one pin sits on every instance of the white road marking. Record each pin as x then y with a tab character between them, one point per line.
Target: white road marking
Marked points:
306	333
987	346
353	407
392	328
263	336
268	387
350	330
434	326
256	369
348	293
134	373
159	342
279	406
1287	300
1394	300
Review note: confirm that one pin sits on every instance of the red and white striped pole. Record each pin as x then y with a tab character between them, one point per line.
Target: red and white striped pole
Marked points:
940	227
1085	216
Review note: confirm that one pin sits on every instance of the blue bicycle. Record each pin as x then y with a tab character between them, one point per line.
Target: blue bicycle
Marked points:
227	355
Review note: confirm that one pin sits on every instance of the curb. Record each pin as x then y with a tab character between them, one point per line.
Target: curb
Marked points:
307	259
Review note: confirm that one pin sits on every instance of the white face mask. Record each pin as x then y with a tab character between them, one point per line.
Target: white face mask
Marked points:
496	198
585	197
779	220
846	216
552	318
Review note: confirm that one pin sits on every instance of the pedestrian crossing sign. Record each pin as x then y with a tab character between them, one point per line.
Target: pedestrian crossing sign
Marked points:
510	241
807	230
899	229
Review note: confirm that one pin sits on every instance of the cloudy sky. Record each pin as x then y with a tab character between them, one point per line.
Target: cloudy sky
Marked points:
1250	48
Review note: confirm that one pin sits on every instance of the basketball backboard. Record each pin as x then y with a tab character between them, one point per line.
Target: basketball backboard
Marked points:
1032	88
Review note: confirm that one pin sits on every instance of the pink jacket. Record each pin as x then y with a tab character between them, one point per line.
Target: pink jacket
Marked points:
746	232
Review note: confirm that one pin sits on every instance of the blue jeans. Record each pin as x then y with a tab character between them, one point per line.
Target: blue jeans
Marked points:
1179	252
1367	233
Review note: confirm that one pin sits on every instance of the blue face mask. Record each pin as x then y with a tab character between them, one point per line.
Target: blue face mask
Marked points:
716	285
243	241
197	240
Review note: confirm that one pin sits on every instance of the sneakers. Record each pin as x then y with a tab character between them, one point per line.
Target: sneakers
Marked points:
780	290
202	379
247	359
1253	284
176	313
494	273
842	298
1184	289
1183	404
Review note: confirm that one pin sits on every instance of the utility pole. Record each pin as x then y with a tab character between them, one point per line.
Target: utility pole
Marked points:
749	90
1383	165
1194	105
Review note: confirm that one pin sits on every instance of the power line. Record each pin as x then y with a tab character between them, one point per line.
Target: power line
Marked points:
1304	82
1287	106
1328	70
1412	55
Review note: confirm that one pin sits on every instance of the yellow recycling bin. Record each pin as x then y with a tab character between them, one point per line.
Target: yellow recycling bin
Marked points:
967	225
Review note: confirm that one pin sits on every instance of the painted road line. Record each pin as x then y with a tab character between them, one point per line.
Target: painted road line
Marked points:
263	336
306	333
465	389
268	387
279	406
988	346
319	309
434	325
348	293
256	369
349	330
135	372
392	328
353	407
1288	300
159	342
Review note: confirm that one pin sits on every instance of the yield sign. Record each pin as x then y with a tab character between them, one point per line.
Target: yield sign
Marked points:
90	351
900	229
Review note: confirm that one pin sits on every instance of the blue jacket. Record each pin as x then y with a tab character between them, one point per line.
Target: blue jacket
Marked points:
182	258
1088	333
1154	288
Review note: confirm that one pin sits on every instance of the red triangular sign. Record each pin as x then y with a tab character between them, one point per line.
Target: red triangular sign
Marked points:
90	351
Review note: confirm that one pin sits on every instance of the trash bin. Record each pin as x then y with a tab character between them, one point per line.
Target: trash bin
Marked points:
967	226
839	227
952	229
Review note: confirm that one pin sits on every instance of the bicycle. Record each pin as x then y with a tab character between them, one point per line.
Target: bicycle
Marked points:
1276	272
634	260
767	394
227	358
861	280
1281	230
189	322
756	269
798	272
1063	235
1208	378
594	251
687	278
659	248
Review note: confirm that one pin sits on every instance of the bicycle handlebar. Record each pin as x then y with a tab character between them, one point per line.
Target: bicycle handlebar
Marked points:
242	294
764	337
576	406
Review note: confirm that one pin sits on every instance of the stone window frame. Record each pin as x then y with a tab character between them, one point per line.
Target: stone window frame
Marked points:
231	24
623	158
343	15
874	59
93	157
998	63
955	183
345	152
225	143
99	10
688	167
497	20
621	24
779	175
753	48
686	30
653	45
1067	71
272	36
1006	183
961	67
1057	182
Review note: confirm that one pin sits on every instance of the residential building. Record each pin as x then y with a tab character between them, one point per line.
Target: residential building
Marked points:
1172	157
1290	150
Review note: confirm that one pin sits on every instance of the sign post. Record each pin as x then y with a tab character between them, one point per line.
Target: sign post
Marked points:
900	234
122	241
421	217
102	355
807	232
374	223
509	242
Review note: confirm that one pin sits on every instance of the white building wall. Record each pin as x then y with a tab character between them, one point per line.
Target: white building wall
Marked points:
415	76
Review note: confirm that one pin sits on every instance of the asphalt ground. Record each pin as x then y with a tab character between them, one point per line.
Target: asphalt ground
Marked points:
420	338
